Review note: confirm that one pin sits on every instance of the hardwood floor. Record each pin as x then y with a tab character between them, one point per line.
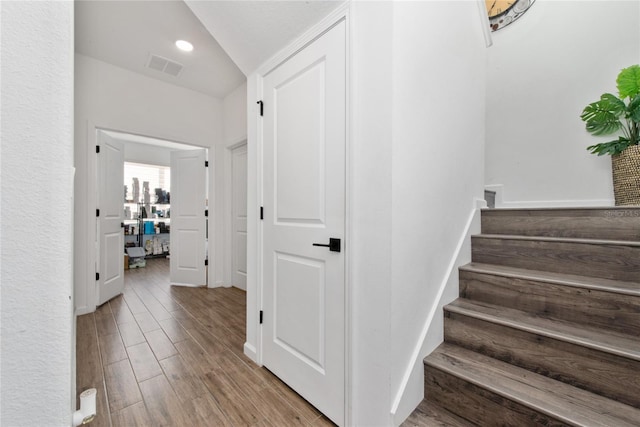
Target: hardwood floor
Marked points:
161	355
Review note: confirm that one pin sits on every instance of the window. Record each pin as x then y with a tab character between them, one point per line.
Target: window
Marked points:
156	176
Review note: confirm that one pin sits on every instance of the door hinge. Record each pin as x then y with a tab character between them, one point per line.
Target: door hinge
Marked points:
261	212
206	163
261	108
97	148
97	212
206	212
206	262
97	276
261	314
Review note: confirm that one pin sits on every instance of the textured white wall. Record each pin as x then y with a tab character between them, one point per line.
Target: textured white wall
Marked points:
36	373
542	70
117	99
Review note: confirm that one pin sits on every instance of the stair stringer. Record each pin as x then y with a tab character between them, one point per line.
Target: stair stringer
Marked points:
411	390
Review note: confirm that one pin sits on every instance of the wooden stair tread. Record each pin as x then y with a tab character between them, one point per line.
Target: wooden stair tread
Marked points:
606	341
587	282
428	414
559	239
556	399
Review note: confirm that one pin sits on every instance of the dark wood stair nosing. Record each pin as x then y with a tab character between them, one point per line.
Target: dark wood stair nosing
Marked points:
544	331
498	211
578	240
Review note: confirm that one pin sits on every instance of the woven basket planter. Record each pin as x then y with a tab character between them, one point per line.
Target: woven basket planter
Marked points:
626	176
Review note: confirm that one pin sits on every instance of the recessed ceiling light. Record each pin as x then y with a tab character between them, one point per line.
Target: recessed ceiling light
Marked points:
184	45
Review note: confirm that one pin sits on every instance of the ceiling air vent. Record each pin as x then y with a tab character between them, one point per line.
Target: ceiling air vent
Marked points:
164	65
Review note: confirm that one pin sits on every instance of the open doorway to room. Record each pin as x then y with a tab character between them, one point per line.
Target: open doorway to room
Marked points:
134	225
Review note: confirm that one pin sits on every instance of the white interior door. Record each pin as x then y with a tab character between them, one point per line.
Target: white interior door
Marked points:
239	215
111	206
304	204
188	203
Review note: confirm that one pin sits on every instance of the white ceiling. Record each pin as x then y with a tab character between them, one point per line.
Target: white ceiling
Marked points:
247	33
124	33
253	31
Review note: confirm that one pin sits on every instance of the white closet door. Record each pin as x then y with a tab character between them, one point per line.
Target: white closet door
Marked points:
239	214
188	204
111	205
304	210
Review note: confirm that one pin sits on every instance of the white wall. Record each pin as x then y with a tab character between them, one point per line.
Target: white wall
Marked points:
234	115
438	167
542	71
370	204
37	374
110	97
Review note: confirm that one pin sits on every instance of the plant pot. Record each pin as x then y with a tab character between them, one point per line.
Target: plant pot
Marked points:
626	176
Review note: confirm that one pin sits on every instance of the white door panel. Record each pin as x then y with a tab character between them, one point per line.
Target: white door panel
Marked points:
188	203
304	139
110	203
239	215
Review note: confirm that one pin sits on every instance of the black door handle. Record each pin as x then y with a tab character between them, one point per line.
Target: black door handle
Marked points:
334	245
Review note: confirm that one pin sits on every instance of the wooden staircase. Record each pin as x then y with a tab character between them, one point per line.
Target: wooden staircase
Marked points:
547	327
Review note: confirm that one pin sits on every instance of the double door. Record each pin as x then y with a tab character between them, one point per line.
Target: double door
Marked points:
188	218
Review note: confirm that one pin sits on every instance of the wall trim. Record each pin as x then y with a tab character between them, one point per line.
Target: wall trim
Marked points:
399	412
82	310
250	352
562	203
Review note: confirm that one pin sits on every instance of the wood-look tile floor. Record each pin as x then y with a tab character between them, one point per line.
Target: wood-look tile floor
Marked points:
162	355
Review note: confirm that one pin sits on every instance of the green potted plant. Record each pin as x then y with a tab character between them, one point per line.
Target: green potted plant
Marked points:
619	114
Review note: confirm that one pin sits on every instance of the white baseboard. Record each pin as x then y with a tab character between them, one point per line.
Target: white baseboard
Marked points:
83	310
250	352
524	204
408	394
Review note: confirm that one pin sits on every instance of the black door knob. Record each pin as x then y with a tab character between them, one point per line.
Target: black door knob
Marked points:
334	245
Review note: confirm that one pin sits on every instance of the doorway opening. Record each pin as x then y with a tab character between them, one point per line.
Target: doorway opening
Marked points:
135	180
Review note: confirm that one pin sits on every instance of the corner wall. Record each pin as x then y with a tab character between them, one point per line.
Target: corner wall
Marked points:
37	373
542	71
369	210
111	97
438	167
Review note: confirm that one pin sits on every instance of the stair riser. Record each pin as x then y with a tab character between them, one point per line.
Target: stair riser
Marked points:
613	224
588	307
617	262
478	405
609	375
